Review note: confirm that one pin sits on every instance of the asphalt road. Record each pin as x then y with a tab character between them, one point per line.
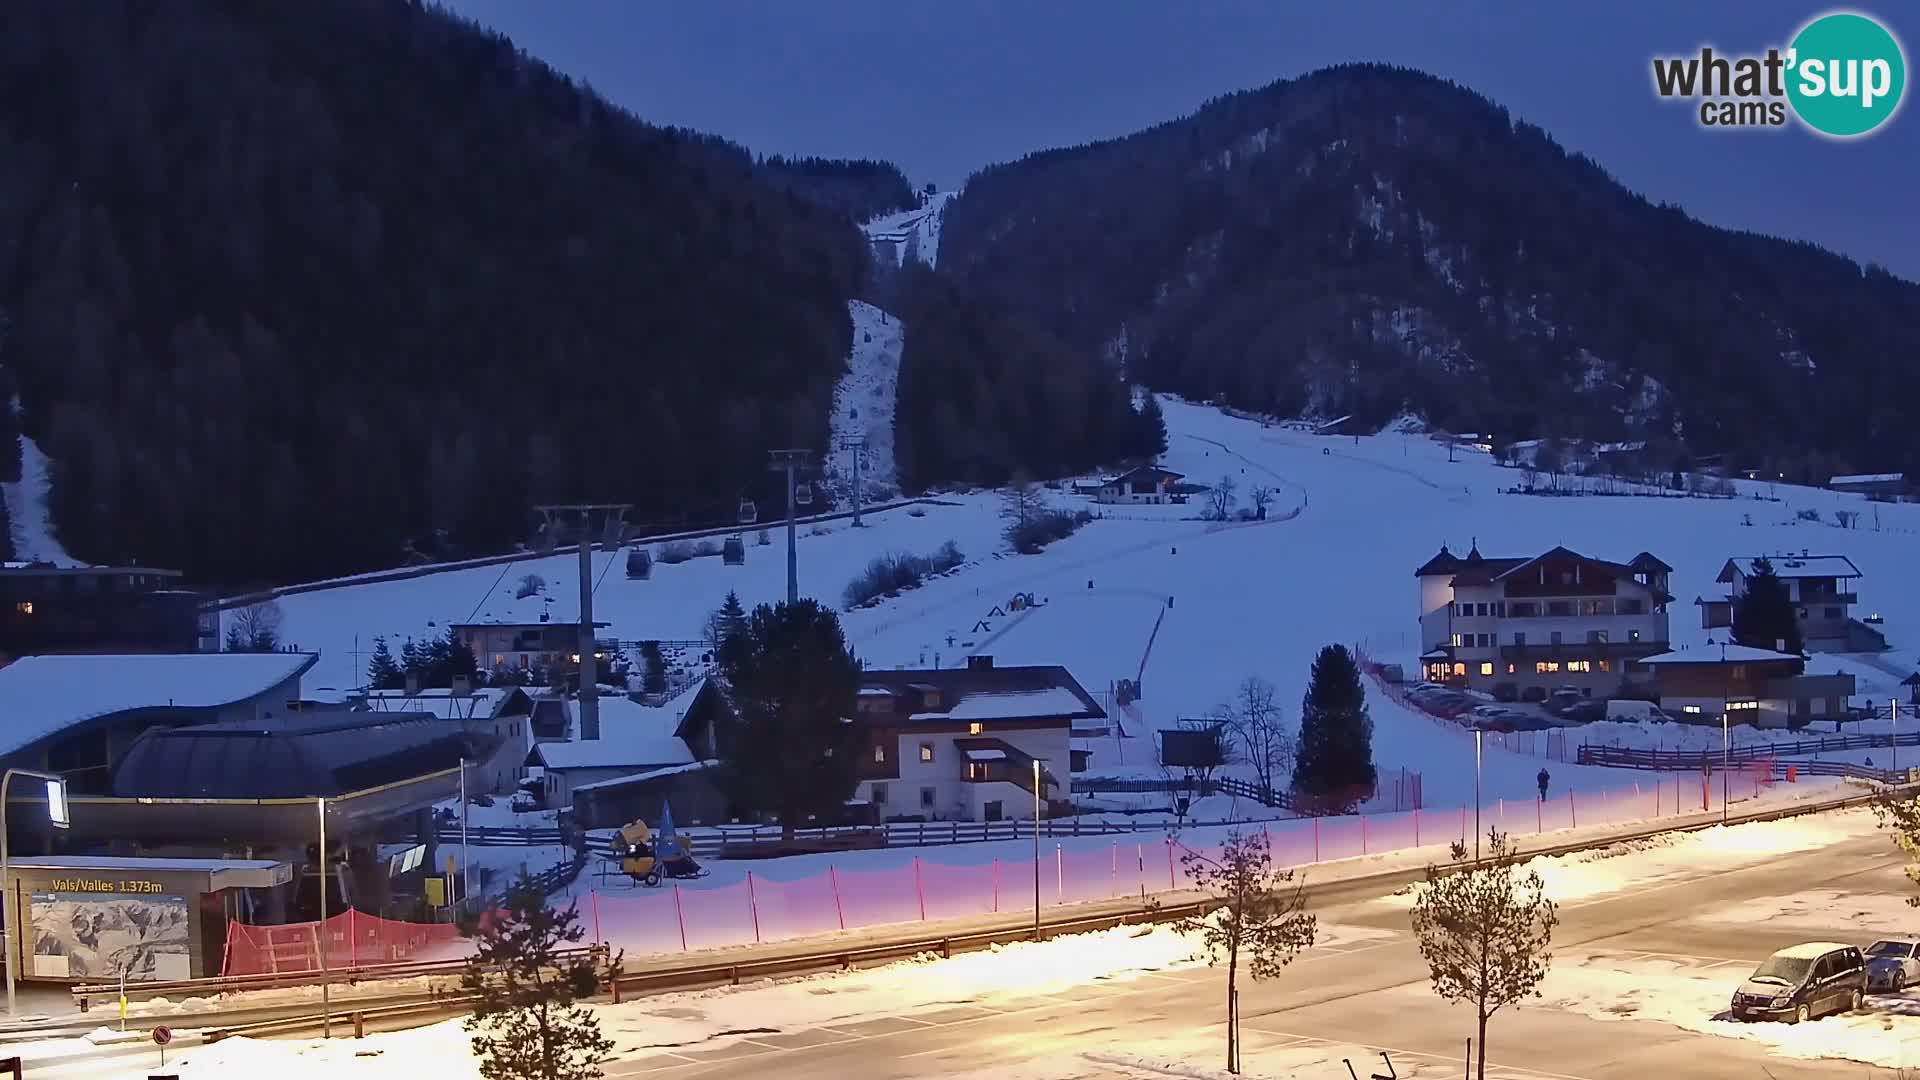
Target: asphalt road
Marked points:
1371	994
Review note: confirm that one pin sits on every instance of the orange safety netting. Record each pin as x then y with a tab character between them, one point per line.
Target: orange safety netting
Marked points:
351	939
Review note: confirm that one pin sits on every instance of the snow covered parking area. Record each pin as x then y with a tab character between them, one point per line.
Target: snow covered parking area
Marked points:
1690	994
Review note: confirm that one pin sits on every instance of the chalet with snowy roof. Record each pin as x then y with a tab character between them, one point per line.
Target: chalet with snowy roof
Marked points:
961	743
1891	485
1555	619
509	645
1750	686
1146	484
1823	589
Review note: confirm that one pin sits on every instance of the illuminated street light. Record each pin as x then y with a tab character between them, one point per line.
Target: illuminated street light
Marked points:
58	816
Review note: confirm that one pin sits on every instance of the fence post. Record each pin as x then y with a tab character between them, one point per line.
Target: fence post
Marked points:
1503	812
919	891
1416	826
593	900
1573	811
1113	869
838	912
1169	864
996	886
753	905
1363	834
1059	875
1316	838
681	915
353	941
1539	823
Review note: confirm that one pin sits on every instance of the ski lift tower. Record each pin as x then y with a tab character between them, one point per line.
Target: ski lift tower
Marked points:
585	520
857	445
790	462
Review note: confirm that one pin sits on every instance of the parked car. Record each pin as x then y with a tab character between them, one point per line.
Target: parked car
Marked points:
1803	982
1585	711
1534	694
1893	964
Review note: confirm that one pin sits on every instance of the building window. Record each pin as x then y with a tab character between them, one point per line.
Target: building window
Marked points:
1629	606
1596	607
1479	609
1500	609
880	796
974	728
1559	607
1486	669
1457	640
879	754
1741	706
1511	669
1690	709
1460	669
1545	667
1525	610
1519	637
1832	612
1466	610
926	751
927	796
24	607
1606	665
1596	637
1739	673
1581	666
1554	637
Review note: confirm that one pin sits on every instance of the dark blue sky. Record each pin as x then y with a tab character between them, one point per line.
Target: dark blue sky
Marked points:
942	89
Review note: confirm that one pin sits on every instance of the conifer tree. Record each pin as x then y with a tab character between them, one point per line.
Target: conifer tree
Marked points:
653	675
527	1023
1334	764
1764	616
383	673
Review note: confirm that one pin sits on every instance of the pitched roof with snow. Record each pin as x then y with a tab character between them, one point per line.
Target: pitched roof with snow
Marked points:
1793	566
45	695
632	735
1715	654
1476	569
1038	692
1869	478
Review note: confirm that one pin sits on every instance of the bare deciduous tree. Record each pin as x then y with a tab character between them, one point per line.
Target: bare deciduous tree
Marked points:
255	628
1262	916
1484	929
1220	498
1900	816
1022	499
1257	723
1261	496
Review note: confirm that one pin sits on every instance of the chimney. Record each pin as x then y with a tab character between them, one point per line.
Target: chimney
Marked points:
978	662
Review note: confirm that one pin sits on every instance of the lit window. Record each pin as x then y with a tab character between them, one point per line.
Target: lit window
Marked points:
1459	669
1606	665
1458	641
1486	669
879	754
24	607
1735	706
1510	669
1580	665
1545	667
926	751
1690	708
974	728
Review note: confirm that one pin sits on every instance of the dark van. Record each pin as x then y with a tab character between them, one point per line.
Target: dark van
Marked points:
1803	982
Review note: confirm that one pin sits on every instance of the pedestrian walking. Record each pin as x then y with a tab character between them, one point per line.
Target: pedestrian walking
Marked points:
1542	781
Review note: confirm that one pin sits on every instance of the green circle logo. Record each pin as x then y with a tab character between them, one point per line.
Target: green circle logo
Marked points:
1846	74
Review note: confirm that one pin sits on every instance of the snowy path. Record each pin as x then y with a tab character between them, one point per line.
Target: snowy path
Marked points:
30	524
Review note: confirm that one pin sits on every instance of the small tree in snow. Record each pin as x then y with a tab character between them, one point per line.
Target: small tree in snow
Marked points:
1261	496
1257	723
527	1023
383	672
653	668
255	628
1022	499
1220	498
1261	916
1484	929
1901	817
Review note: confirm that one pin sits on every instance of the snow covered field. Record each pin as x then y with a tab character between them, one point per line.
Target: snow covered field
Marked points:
1228	600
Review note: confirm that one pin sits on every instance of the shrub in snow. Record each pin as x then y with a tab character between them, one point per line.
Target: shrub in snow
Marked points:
530	585
705	548
888	574
916	511
1807	515
763	539
675	551
1039	529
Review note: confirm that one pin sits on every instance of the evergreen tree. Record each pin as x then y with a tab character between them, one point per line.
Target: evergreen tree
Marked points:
726	621
1334	764
792	682
412	659
1150	429
459	659
382	672
653	674
527	1023
1764	615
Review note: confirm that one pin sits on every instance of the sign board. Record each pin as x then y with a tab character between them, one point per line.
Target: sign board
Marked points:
162	1036
57	803
436	889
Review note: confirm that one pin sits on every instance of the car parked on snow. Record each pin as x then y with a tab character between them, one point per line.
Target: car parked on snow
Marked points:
1802	982
1893	964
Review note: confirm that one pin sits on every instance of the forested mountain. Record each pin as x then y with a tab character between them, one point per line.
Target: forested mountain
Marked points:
855	190
293	285
985	395
1364	239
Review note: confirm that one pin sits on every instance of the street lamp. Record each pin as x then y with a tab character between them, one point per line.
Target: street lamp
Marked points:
326	978
57	814
1476	794
1726	755
1036	849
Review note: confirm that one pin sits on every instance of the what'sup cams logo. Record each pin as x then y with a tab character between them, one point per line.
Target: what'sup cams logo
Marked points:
1843	76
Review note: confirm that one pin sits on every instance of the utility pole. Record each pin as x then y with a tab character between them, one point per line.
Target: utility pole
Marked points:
789	461
612	516
857	444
